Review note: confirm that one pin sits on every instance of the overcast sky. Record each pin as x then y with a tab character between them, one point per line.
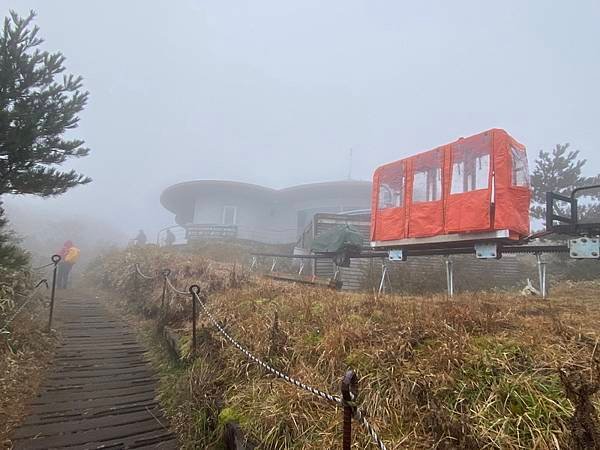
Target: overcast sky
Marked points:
277	92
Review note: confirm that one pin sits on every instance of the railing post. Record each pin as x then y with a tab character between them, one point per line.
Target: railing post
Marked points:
165	274
55	259
136	282
349	393
195	291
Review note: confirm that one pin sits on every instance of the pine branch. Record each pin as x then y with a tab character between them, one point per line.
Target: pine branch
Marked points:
38	104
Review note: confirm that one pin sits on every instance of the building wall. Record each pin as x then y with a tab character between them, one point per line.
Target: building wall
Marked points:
275	222
308	207
262	214
251	214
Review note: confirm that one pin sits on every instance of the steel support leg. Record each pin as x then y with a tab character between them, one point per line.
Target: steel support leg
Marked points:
542	274
253	265
274	264
383	278
450	276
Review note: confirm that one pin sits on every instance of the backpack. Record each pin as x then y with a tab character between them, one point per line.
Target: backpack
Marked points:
72	255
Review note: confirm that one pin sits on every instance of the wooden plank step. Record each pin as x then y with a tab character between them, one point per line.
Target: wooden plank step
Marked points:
101	391
93	423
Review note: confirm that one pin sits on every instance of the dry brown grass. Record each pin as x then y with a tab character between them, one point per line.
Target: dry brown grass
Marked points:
25	353
483	370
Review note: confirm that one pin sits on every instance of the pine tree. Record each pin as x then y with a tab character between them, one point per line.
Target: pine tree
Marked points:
38	104
12	257
560	172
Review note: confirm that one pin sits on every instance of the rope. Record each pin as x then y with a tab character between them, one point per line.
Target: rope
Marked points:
174	289
277	373
42	267
360	418
147	277
25	303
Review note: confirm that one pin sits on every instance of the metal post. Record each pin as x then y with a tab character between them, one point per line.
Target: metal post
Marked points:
450	276
273	265
195	291
165	273
301	267
55	259
542	274
253	265
349	393
383	277
136	282
389	281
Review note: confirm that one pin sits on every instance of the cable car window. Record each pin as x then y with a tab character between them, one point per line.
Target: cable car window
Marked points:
520	168
427	179
391	188
427	185
470	172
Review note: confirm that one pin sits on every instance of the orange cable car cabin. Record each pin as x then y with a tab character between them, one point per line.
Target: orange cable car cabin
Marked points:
473	189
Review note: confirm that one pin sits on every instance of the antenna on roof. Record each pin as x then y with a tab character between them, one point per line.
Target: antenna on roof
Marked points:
350	164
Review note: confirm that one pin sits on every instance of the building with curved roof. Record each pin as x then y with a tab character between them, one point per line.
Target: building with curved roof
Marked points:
226	208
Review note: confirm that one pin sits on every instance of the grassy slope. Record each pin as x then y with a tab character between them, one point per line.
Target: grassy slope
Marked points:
479	371
26	351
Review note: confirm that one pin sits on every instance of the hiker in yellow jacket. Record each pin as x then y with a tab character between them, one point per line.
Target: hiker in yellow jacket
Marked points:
69	256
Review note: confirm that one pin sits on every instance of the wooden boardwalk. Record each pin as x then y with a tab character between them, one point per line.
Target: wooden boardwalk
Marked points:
100	392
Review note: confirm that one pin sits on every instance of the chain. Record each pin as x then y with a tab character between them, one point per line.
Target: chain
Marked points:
137	269
360	418
277	373
25	303
174	289
42	267
357	413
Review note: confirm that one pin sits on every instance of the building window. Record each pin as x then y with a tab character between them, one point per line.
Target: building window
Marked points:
520	168
229	215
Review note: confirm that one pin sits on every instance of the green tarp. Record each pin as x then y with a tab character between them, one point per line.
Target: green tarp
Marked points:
343	238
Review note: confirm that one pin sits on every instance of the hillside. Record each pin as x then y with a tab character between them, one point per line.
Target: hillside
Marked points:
483	370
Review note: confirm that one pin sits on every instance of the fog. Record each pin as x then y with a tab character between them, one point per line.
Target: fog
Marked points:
277	93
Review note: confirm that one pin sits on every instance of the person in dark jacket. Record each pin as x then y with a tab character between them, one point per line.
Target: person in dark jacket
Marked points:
170	238
141	238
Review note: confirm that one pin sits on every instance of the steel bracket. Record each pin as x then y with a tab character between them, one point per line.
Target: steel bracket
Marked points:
487	250
397	255
584	248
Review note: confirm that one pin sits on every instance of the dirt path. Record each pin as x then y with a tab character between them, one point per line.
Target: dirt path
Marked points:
100	391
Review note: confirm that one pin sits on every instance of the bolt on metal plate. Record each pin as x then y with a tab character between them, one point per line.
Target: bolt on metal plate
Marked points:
585	248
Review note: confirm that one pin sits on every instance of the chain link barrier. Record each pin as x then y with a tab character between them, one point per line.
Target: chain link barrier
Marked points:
141	274
360	418
195	291
357	413
43	281
42	267
174	289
